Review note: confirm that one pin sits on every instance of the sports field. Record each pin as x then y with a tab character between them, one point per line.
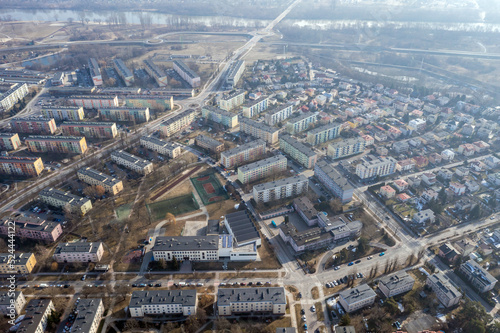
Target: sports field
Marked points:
177	206
209	188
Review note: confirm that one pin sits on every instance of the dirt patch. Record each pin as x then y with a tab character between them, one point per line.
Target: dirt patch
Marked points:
315	292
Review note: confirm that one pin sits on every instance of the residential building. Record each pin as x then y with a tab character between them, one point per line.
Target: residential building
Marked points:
445	174
333	181
64	113
167	148
493	178
36	316
248	301
94	101
242	228
492	162
429	195
89	129
12	302
95	72
209	144
424	216
302	153
429	178
151	102
232	100
94	177
347	147
417	124
387	191
18	263
186	73
420	161
245	153
193	248
261	169
278	114
372	166
324	133
21	166
405	165
33	125
401	185
457	188
163	302
305	208
123	72
89	314
132	162
31	228
156	73
82	252
253	107
280	189
178	122
396	284
357	298
10	98
259	130
400	147
134	115
60	199
234	73
56	144
467	149
9	141
301	123
478	276
220	116
447	294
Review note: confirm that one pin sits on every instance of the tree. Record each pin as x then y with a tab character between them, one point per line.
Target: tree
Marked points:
442	196
336	205
162	264
362	245
391	306
345	320
171	218
474	325
175	264
475	212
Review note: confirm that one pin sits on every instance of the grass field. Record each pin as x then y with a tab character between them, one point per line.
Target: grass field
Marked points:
123	211
177	206
209	188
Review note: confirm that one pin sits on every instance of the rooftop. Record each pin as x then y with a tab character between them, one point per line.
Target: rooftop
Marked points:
155	69
157	297
302	147
35	311
261	163
242	148
120	65
88	123
55	138
66	197
396	280
160	142
14	159
333	174
178	117
217	110
445	287
86	308
78	247
131	158
323	128
186	69
281	182
20	258
242	227
226	296
258	125
357	294
186	243
99	176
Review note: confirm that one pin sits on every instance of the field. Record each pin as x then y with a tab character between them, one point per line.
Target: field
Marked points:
209	188
177	206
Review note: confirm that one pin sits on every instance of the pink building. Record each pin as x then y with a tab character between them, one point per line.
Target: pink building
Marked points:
32	228
387	191
401	185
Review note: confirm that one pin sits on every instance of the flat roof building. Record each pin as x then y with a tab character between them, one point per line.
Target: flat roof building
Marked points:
177	122
323	133
220	116
262	169
280	189
187	74
60	199
278	114
79	252
357	298
480	278
56	144
253	107
32	228
33	125
301	122
335	182
89	314
347	147
208	143
372	166
396	284
232	100
95	72
89	129
259	130
123	71
94	101
9	141
132	162
242	228
20	263
64	113
21	166
447	294
302	153
156	73
247	152
16	93
160	103
136	115
94	177
265	300
235	72
167	148
193	248
12	303
163	302
36	316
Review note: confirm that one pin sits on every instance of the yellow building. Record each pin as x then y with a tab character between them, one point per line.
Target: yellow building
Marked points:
18	263
94	177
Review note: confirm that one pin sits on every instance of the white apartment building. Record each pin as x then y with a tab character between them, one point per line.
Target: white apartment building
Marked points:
167	148
187	74
163	302
333	180
176	123
234	73
301	123
16	93
220	116
11	302
124	72
280	189
61	199
478	276
259	130
95	72
447	294
245	301
94	177
262	169
89	315
346	147
357	298
193	248
156	73
246	152
254	107
302	153
278	114
132	162
36	316
396	284
323	133
232	100
372	166
81	252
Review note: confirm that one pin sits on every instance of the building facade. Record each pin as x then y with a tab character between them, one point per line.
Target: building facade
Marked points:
348	147
94	101
208	143
160	103
31	228
167	148
60	199
36	316
447	294
19	263
94	177
9	141
82	252
234	73
278	114
323	133
88	129
357	298
89	314
95	72
192	248
163	302
336	183
301	123
396	284
138	115
33	125
21	166
262	169
56	144
156	73
232	100
247	301
64	113
253	107
280	189
176	123
187	74
12	302
372	166
302	153
478	276
259	130
16	93
132	162
123	72
220	116
246	152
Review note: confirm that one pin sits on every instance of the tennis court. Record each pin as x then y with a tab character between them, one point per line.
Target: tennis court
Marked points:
209	188
177	206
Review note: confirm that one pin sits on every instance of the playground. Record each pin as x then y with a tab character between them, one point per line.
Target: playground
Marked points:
209	188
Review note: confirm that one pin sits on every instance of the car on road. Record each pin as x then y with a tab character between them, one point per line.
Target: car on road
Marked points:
313	308
304	318
381	254
302	311
150	285
357	261
336	268
369	258
134	285
350	264
305	326
492	218
84	277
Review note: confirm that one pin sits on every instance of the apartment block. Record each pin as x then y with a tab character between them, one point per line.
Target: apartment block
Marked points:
232	100
64	200
21	166
248	301
19	263
372	166
347	147
33	125
123	72
94	101
220	116
56	144
89	314
396	284
9	141
156	73
79	252
163	302
132	162
16	93
94	177
31	228
12	302
176	123
208	143
357	298
89	129
64	113
239	155
254	107
259	130
480	278
262	169
335	182
235	72
160	103
280	189
187	74
447	294
125	114
36	316
323	133
305	208
301	123
193	248
278	114
95	72
167	148
300	152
